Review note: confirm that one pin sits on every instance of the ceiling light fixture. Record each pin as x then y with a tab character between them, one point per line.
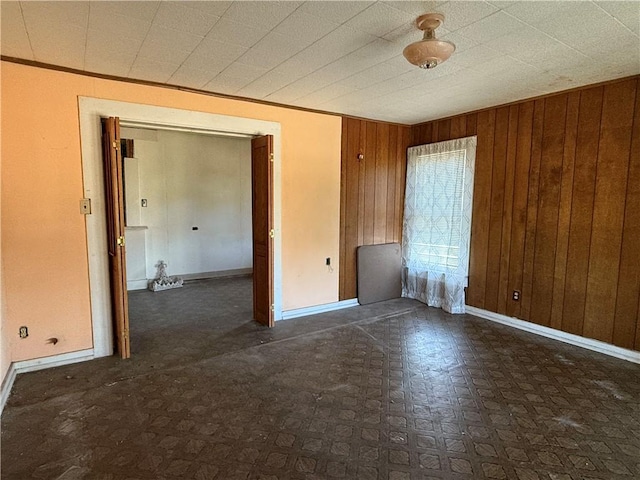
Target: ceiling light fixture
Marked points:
429	52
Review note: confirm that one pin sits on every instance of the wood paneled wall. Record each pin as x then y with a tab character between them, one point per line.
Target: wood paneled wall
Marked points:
372	191
556	212
556	209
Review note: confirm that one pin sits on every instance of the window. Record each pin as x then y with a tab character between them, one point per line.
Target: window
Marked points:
437	222
438	207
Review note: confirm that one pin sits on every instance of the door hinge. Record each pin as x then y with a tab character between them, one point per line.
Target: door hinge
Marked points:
273	307
271	157
272	233
120	241
115	145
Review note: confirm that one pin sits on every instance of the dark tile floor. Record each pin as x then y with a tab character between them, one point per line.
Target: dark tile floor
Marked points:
394	390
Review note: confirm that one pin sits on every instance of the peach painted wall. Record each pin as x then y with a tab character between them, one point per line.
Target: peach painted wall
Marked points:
5	354
44	245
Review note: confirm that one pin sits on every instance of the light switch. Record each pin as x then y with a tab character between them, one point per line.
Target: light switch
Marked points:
85	206
143	202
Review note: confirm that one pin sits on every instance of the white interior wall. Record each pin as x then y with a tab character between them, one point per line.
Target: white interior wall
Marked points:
193	180
132	191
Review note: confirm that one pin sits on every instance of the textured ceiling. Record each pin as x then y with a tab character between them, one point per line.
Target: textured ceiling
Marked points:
343	57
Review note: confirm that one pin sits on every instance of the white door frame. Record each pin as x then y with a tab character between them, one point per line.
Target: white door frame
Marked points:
91	110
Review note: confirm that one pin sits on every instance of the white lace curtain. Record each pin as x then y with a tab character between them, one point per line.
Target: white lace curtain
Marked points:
437	223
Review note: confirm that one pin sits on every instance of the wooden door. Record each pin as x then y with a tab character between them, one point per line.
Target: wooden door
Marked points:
262	208
114	199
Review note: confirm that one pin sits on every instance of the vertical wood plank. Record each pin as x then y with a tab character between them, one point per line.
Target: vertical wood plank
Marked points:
391	184
401	181
343	209
496	205
351	222
608	209
555	111
435	131
362	173
424	134
507	210
444	130
520	197
637	343
458	127
584	176
369	183
472	124
626	316
532	209
480	212
417	133
564	217
381	174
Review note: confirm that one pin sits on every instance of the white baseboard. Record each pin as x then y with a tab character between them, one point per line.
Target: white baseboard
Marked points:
221	273
137	284
327	307
144	284
7	385
577	340
25	366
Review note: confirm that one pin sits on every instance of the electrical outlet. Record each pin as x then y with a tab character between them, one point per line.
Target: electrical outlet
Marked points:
23	332
516	295
144	202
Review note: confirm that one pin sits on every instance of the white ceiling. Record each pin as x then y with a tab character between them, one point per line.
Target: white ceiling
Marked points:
340	56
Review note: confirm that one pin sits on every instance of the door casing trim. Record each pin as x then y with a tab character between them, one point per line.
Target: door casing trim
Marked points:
90	111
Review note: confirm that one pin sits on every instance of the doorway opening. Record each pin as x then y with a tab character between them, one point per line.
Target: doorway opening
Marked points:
144	116
187	204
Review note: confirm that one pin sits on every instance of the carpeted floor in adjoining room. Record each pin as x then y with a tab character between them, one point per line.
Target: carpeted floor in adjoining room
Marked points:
393	390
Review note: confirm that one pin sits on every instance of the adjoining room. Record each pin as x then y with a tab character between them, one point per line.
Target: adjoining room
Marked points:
187	205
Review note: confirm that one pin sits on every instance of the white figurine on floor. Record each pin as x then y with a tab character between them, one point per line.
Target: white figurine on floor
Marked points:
164	281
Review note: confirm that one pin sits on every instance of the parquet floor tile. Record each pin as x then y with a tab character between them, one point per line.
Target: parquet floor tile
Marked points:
389	391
